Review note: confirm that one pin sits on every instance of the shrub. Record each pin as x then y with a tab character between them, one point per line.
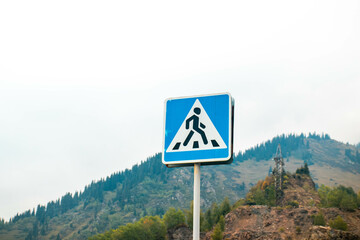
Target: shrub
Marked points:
294	203
173	218
338	223
149	227
281	229
340	197
348	203
298	230
319	220
240	202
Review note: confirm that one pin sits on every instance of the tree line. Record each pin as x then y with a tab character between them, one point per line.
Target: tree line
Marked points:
156	228
353	157
289	143
154	169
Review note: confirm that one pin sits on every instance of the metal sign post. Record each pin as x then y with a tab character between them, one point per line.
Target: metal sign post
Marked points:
196	210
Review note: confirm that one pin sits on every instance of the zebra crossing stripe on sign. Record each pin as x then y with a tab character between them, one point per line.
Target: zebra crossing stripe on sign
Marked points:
197	132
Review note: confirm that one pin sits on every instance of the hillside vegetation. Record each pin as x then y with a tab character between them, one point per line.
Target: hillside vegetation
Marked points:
301	204
150	188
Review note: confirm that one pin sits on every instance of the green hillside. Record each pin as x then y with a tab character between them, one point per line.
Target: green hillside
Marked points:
150	188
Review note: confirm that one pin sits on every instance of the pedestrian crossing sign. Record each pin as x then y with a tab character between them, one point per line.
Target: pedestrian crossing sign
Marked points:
198	129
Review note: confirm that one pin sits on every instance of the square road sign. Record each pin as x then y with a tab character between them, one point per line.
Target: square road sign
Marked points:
198	129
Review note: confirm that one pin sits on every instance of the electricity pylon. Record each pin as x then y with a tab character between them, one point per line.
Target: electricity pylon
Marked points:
278	173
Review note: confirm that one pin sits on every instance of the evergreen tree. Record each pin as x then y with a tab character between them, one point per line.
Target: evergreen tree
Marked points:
208	219
29	236
2	223
35	230
66	202
323	191
215	211
217	234
40	214
225	207
303	169
189	215
222	223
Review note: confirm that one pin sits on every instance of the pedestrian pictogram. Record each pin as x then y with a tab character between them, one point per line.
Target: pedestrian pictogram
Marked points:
197	132
198	129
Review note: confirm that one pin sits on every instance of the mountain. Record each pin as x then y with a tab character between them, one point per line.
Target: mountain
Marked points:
150	188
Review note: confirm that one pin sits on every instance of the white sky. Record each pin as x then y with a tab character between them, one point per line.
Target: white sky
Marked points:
82	83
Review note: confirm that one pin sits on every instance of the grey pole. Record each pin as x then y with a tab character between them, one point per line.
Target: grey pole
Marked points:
196	210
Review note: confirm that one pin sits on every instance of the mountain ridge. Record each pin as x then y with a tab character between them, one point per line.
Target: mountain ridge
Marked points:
150	187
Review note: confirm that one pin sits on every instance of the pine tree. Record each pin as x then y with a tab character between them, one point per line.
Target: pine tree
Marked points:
189	215
208	219
222	223
225	206
217	234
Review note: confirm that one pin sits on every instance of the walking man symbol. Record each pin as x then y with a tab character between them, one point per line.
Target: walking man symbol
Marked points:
195	119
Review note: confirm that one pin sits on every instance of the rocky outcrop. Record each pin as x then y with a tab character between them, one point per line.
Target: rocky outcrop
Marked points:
326	233
262	222
299	188
288	221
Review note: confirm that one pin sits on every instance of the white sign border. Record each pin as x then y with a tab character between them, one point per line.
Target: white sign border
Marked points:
210	160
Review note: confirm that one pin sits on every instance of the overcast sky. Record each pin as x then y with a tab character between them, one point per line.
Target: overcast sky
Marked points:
83	83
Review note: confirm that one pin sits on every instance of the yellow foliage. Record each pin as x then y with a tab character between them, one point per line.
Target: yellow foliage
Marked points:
259	184
266	182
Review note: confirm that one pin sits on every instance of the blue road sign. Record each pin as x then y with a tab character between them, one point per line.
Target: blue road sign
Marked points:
198	129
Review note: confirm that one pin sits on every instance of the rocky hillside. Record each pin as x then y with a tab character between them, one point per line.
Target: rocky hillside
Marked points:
289	221
262	222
